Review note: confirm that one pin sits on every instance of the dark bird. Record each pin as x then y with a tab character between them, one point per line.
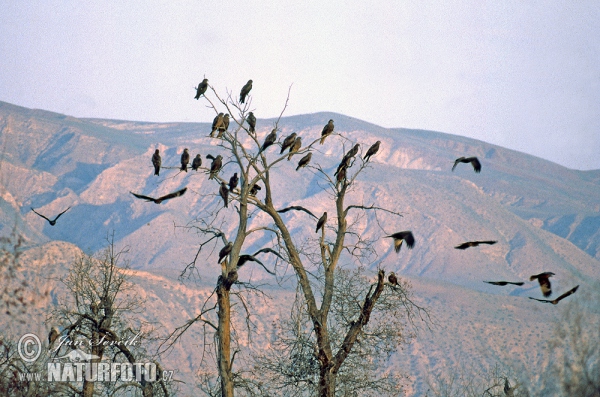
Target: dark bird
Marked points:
352	152
163	198
473	160
53	221
53	335
327	130
215	166
393	279
304	161
563	296
321	222
251	121
185	159
156	162
372	150
297	208
224	126
201	89
288	142
508	391
252	258
224	192
269	140
344	164
255	188
295	147
468	244
233	182
403	236
341	175
544	280
225	251
197	162
502	283
245	90
217	122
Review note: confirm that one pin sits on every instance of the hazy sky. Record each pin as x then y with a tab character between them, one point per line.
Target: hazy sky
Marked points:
521	74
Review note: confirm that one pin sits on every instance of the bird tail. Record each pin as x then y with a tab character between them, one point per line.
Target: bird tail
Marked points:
322	139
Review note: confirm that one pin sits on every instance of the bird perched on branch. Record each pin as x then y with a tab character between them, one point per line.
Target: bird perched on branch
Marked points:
233	182
51	221
372	150
224	193
304	161
352	152
156	162
563	296
503	283
255	188
197	162
473	160
224	126
225	251
321	222
327	130
288	142
217	122
185	159
251	119
401	237
269	140
53	335
544	281
468	244
393	279
215	166
201	89
163	198
295	147
344	164
245	90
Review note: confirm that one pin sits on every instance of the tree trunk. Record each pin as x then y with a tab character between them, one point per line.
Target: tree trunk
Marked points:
327	380
224	337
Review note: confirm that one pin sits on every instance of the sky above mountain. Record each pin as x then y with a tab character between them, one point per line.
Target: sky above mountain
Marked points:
520	75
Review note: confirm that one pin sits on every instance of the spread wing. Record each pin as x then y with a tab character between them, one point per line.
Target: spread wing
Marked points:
297	208
58	216
563	296
173	195
464	246
40	214
476	164
141	196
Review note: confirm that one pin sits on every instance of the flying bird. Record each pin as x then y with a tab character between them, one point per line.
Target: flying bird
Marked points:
51	221
393	279
473	160
372	150
251	119
233	182
53	335
544	280
224	126
288	142
304	161
502	283
327	130
295	147
255	188
245	90
201	89
401	237
185	159
225	251
215	166
197	162
321	222
563	296
217	122
297	208
156	162
224	192
163	198
468	244
252	258
269	140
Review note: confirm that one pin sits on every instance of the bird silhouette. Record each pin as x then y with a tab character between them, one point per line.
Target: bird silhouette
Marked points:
327	130
185	159
201	89
403	236
295	147
297	208
288	142
502	283
544	281
156	162
393	279
224	193
372	150
245	90
269	140
233	182
53	335
352	152
215	166
51	221
197	162
563	296
304	161
163	198
224	125
255	188
251	119
217	123
321	222
468	244
473	160
225	251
